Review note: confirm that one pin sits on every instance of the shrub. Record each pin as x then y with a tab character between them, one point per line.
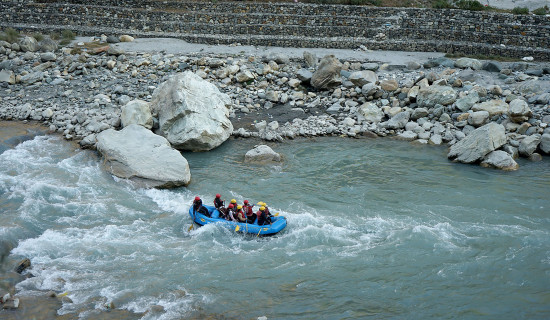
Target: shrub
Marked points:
55	35
472	5
68	35
441	4
541	11
65	41
520	10
10	35
38	36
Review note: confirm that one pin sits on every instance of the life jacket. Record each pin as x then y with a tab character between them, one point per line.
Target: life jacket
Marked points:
239	214
218	203
248	210
197	204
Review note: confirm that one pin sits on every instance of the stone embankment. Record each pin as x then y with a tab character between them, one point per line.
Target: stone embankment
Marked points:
293	25
442	101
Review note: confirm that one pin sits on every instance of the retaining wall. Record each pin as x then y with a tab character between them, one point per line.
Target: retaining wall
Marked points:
296	25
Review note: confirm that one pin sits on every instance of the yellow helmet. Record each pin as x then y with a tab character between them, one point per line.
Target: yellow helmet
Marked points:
262	208
233	201
261	203
239	207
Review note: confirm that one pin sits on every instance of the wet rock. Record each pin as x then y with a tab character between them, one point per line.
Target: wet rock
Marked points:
262	154
327	74
139	155
193	114
545	143
478	143
11	304
500	160
22	265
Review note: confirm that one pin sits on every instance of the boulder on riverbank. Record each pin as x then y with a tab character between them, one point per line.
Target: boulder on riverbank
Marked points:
143	157
262	154
327	74
478	143
193	114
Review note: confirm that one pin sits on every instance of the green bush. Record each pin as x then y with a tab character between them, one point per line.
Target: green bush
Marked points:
441	4
55	35
10	35
38	36
520	10
472	5
65	41
68	34
541	11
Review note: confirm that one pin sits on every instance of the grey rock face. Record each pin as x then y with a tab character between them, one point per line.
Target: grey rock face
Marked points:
500	160
262	154
137	112
478	118
327	74
48	45
430	96
529	144
143	157
192	112
478	143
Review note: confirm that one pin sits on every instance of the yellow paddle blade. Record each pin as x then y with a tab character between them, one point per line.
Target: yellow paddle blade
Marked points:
190	228
237	228
63	294
277	214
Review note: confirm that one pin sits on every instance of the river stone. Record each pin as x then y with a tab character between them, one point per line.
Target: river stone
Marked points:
192	112
369	89
435	139
519	111
478	118
545	143
304	75
419	113
478	143
136	112
29	44
399	121
430	96
126	38
529	144
360	78
47	56
137	154
327	74
465	103
464	63
310	58
244	76
370	112
22	265
494	107
492	66
48	45
7	76
262	154
501	160
389	85
531	86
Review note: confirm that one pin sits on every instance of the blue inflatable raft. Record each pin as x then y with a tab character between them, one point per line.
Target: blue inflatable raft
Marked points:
279	223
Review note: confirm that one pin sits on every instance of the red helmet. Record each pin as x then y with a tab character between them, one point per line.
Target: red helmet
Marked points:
230	206
218	195
245	201
197	198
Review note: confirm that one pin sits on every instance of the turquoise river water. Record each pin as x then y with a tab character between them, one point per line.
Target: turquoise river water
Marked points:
377	229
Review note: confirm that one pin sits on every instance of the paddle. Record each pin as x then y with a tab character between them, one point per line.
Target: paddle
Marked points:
237	228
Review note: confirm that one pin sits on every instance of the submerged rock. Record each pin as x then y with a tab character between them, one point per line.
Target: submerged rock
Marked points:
500	160
143	157
262	154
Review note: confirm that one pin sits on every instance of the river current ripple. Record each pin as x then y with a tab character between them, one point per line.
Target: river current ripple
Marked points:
377	229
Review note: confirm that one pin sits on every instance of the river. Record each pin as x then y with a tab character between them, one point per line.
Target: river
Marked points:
377	229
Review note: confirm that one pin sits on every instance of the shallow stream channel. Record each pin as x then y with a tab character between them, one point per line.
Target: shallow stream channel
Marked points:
377	229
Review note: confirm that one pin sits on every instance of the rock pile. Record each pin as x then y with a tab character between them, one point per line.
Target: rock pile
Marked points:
80	94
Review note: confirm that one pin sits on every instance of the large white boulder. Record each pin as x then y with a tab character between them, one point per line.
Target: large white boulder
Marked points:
262	154
500	160
143	157
137	112
193	114
370	112
494	107
478	143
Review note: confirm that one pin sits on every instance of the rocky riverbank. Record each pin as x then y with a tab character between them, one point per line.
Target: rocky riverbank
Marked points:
79	92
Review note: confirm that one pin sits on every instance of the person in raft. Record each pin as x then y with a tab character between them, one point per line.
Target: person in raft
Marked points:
198	207
263	217
250	216
230	213
218	203
239	214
